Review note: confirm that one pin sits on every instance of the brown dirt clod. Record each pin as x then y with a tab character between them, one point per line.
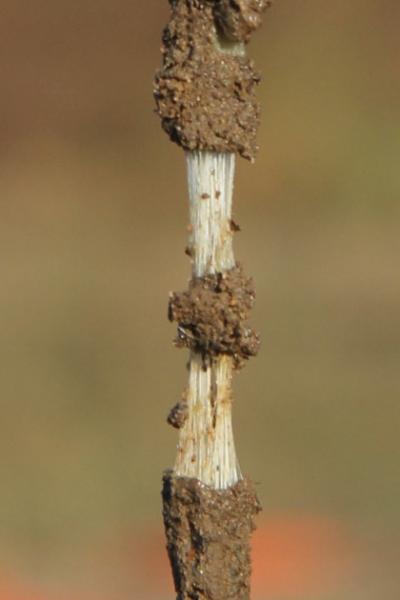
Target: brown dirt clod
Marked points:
208	537
239	18
211	316
178	414
206	97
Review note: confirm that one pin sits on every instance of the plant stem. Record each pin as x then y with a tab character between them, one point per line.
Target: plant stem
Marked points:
205	96
206	449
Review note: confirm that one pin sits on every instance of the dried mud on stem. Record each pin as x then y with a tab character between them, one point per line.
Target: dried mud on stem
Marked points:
211	316
205	90
208	537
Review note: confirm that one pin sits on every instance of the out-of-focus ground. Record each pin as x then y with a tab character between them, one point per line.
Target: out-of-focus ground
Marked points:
92	232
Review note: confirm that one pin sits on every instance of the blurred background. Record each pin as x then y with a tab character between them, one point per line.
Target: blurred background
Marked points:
93	214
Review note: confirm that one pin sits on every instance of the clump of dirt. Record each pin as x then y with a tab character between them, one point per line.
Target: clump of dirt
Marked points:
211	316
208	537
178	414
205	97
239	18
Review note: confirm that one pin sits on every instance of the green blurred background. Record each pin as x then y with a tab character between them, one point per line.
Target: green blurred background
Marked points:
93	214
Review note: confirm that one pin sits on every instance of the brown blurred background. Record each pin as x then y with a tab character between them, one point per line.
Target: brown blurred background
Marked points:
92	231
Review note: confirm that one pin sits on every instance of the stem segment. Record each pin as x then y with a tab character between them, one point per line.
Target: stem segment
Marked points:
206	447
208	506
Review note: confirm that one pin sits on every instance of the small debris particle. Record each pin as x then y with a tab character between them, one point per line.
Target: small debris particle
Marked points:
234	226
178	414
189	251
238	19
217	194
205	196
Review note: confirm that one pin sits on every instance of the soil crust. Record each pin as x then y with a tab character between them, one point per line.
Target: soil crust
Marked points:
208	537
205	90
211	316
